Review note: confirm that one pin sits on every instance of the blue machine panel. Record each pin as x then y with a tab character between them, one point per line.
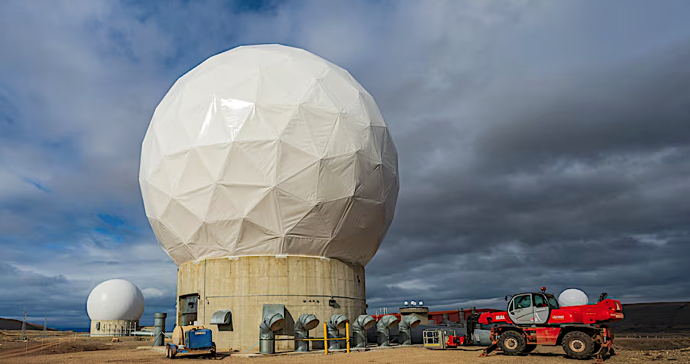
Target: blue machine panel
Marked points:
198	339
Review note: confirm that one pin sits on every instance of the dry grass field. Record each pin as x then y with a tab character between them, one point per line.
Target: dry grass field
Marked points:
102	350
651	332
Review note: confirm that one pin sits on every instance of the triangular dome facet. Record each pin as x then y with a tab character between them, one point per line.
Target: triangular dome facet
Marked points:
268	150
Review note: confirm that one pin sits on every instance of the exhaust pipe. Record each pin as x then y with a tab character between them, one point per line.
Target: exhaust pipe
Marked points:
383	329
335	324
271	322
159	328
405	327
360	327
304	323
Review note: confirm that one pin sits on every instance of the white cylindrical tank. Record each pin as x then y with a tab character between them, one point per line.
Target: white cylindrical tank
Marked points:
572	297
115	299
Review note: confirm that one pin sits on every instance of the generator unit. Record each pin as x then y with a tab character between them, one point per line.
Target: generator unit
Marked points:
190	340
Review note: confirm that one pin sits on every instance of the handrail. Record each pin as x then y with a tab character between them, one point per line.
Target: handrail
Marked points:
326	338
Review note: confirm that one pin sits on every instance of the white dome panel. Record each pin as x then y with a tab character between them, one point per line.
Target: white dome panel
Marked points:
268	150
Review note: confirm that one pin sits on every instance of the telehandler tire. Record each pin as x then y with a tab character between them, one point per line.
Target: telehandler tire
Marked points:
512	342
578	345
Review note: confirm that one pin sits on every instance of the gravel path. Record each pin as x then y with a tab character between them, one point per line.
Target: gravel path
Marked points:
417	355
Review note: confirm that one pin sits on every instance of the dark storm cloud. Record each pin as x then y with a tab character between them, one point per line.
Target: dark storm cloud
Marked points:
540	143
638	106
582	181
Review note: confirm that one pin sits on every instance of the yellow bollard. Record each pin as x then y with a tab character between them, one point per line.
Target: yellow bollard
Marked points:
325	338
347	336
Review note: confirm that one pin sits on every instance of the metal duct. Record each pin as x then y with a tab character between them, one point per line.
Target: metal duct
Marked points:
223	319
271	322
360	327
383	329
304	323
405	329
159	328
335	324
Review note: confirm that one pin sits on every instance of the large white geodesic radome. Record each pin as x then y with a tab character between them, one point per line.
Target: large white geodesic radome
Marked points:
115	299
268	150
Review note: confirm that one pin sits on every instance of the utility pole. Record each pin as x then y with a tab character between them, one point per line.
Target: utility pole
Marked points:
24	327
45	326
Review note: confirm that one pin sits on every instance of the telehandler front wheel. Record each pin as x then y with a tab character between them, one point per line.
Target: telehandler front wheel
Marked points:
512	343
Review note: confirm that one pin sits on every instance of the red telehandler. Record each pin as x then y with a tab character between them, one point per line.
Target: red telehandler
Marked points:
536	319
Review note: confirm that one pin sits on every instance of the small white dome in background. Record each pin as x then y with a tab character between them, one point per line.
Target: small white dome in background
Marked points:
115	299
572	297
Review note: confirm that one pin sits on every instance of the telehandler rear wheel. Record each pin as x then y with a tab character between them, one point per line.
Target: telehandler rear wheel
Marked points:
578	345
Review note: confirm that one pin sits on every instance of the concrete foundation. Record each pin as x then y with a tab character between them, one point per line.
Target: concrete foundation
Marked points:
113	327
421	312
322	287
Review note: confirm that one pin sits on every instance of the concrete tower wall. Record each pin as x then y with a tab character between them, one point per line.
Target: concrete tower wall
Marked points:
113	327
245	284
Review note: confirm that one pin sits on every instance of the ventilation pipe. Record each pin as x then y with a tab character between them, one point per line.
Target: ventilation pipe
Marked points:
383	329
272	322
159	328
405	329
335	324
360	327
305	323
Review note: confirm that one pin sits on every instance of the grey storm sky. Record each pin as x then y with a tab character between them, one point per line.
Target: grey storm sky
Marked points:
541	143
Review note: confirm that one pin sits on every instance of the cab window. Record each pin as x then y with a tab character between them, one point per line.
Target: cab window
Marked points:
523	302
553	303
539	301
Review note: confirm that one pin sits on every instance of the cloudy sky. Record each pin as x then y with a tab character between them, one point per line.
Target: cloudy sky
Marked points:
541	143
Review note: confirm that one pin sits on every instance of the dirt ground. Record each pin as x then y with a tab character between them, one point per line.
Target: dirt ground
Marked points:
102	350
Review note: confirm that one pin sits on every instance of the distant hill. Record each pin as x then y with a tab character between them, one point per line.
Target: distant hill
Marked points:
10	324
661	317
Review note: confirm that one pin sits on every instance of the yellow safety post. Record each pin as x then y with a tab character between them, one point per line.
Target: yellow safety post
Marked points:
347	335
325	338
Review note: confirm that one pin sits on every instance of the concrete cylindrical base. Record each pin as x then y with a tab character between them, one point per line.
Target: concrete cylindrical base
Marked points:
113	327
322	287
422	313
159	328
